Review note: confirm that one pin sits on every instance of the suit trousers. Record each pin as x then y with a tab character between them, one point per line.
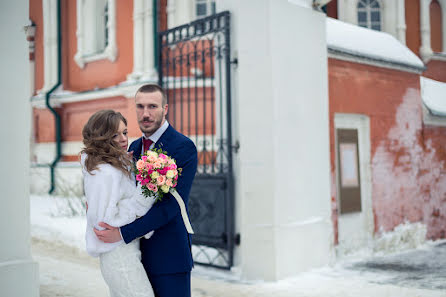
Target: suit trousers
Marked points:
171	285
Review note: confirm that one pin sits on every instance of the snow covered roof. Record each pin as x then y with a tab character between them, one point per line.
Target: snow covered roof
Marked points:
434	96
356	41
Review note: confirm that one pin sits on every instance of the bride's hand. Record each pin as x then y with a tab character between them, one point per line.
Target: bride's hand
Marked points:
109	235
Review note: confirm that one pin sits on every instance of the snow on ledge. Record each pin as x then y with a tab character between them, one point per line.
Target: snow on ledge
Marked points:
433	94
369	44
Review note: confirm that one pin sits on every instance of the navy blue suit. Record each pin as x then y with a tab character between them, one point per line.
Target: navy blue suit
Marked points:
167	256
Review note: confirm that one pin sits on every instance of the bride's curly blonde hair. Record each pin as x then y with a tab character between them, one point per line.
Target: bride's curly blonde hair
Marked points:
100	147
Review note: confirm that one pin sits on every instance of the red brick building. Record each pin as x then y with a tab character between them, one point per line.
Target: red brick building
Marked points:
387	147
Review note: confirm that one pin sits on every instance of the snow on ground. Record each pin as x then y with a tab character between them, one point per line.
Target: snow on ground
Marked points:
66	270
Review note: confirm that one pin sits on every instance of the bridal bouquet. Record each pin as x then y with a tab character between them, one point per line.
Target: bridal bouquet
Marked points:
157	173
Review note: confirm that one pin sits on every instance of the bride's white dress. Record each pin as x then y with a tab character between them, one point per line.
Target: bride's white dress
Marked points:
114	199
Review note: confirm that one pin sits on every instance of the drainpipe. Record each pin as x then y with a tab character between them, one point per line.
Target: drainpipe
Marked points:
52	110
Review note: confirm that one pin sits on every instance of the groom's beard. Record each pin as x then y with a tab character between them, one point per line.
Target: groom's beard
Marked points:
150	130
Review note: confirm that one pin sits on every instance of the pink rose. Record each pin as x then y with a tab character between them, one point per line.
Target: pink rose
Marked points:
169	183
157	165
152	158
163	156
140	164
139	177
160	180
153	188
144	158
145	182
149	166
176	177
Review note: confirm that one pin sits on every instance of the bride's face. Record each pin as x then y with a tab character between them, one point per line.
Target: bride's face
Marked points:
121	136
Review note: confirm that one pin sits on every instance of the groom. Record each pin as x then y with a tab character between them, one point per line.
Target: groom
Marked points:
166	256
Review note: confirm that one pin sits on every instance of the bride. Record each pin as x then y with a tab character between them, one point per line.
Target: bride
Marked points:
113	198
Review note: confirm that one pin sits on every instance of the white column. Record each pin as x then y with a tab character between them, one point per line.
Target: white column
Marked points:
425	49
401	23
19	274
282	170
148	38
49	43
138	45
347	11
171	22
184	11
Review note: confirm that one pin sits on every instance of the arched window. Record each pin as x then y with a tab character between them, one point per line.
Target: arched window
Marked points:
369	14
436	27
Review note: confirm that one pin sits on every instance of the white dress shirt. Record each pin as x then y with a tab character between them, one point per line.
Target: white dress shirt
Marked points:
156	135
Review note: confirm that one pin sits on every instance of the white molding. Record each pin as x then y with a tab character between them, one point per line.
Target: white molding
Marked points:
50	44
111	51
362	124
126	90
58	98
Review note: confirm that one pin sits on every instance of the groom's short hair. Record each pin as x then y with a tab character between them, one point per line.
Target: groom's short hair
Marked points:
152	88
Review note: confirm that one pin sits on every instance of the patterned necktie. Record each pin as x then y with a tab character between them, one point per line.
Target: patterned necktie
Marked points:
147	143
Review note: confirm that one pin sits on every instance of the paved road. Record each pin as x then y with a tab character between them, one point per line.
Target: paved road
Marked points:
66	272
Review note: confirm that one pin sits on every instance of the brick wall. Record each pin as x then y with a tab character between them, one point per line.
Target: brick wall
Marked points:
407	158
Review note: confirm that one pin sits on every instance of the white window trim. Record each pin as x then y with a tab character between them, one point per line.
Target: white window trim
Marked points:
111	50
426	51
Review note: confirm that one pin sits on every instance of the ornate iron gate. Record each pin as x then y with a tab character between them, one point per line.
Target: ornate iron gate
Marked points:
195	70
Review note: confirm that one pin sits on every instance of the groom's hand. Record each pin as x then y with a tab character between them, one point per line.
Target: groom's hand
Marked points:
109	235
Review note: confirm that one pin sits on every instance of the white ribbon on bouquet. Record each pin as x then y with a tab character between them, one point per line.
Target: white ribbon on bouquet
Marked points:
183	210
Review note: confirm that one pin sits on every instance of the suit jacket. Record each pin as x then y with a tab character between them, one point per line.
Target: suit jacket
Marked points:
169	249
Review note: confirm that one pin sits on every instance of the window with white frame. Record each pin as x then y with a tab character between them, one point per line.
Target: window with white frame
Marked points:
96	29
369	14
204	8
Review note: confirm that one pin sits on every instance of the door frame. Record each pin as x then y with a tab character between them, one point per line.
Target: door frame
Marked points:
355	230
